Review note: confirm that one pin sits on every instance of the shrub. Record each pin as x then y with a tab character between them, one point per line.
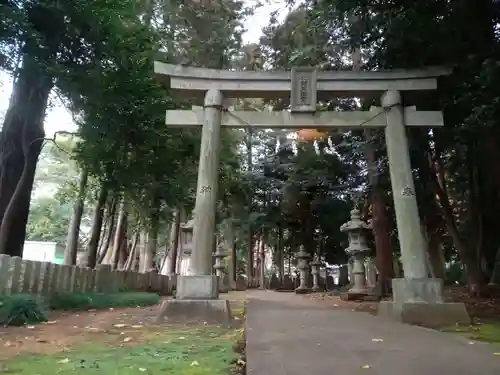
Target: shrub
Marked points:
20	309
85	301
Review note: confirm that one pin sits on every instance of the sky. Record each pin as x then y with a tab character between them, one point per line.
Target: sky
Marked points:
59	118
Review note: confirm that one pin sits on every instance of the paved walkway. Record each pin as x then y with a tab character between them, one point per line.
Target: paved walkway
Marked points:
290	335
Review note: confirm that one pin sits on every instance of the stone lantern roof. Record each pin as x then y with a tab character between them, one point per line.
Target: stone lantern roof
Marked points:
355	223
187	226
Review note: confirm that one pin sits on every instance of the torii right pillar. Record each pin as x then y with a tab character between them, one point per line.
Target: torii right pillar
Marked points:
417	299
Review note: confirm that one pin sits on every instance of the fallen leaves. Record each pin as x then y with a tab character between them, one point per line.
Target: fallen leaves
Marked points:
377	340
127	339
366	366
194	363
62	361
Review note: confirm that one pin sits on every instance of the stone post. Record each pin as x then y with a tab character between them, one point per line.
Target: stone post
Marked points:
303	267
371	273
4	274
343	275
15	272
219	256
229	245
197	296
411	241
417	298
207	185
357	249
315	268
350	276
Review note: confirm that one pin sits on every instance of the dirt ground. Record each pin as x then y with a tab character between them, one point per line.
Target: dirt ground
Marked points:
64	330
480	309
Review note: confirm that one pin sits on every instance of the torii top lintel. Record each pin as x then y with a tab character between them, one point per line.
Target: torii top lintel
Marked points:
265	84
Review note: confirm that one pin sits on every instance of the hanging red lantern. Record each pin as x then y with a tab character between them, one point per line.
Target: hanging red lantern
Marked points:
308	135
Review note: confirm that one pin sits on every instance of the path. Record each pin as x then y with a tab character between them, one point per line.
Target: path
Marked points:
288	335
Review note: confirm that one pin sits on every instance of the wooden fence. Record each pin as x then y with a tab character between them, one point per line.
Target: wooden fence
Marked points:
44	278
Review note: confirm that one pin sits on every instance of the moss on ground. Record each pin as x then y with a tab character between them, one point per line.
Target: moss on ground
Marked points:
481	332
190	351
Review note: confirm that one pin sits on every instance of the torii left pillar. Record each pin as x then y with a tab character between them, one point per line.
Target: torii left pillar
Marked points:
197	296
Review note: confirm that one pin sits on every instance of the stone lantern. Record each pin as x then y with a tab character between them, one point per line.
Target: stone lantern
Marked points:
219	267
303	267
315	269
184	260
356	231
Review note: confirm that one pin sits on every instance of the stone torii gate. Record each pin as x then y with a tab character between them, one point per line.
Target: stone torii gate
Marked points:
416	295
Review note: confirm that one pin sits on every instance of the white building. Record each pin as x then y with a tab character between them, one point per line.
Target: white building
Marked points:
43	251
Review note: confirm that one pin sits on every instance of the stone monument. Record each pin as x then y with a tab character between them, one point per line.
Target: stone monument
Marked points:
186	248
416	291
303	267
315	269
357	251
219	267
371	273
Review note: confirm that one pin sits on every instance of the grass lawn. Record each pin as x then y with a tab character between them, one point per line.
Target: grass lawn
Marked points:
489	332
189	351
127	349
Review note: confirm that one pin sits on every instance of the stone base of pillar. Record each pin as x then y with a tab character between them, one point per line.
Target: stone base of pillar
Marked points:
352	296
420	302
205	287
317	288
302	290
224	284
215	311
196	300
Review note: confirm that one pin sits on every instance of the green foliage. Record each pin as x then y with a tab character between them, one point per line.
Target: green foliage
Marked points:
48	220
21	309
85	301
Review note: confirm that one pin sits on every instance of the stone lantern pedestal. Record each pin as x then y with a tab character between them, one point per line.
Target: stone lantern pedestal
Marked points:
358	250
219	267
315	268
303	267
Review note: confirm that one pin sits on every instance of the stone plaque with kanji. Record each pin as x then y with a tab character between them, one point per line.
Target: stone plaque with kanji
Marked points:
303	90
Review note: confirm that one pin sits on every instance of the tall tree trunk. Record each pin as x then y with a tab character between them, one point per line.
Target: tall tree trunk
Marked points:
124	253
74	226
150	252
381	227
120	226
436	257
143	239
230	248
95	231
179	217
281	252
262	258
250	257
133	252
21	141
476	280
495	276
111	215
